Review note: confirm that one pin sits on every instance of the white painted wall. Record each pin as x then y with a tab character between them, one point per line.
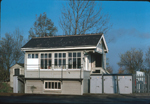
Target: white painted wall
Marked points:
15	84
32	64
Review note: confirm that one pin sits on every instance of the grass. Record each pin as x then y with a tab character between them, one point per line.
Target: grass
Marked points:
5	88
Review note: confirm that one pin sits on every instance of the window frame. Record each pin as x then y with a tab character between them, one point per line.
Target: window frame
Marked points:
72	57
31	55
51	58
51	85
58	58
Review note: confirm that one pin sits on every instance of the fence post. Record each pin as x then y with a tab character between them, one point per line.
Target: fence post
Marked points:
133	83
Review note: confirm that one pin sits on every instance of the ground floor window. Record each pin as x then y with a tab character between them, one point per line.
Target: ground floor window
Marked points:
52	85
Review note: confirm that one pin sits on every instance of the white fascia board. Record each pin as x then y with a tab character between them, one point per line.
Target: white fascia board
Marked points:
43	49
102	37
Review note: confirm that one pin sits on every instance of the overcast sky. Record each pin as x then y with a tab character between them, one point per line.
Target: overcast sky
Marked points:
130	19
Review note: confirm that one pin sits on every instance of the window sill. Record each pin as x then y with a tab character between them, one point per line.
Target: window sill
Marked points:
31	70
52	90
60	69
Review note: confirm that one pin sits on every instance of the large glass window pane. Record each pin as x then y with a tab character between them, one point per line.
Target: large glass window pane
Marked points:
48	84
78	54
74	54
45	63
59	55
32	55
64	54
55	85
74	63
70	54
59	85
42	55
70	63
45	84
55	55
49	64
29	55
52	85
79	62
59	62
46	55
64	63
42	64
36	55
49	55
55	61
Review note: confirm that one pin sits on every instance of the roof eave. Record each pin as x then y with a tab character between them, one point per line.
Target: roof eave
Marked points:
52	49
102	37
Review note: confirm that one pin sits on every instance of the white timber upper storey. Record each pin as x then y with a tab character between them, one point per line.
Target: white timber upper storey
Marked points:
69	54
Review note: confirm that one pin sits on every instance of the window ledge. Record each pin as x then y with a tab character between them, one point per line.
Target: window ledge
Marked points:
52	90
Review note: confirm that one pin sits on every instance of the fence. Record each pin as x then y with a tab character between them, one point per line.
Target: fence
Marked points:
141	83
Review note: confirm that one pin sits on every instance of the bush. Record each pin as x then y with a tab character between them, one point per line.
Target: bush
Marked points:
5	88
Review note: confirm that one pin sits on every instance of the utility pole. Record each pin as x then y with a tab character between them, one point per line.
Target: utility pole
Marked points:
0	19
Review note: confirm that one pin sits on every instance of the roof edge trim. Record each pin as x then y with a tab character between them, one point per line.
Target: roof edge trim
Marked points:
71	48
102	37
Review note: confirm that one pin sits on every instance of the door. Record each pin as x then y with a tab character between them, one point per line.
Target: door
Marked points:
110	84
96	84
125	84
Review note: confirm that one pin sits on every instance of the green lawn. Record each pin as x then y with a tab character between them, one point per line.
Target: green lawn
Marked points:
5	88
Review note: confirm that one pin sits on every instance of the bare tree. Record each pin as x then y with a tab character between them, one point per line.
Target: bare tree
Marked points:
42	27
80	17
10	52
131	61
147	60
120	71
108	67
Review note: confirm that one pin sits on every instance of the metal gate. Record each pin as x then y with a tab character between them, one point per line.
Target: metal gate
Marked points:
141	83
